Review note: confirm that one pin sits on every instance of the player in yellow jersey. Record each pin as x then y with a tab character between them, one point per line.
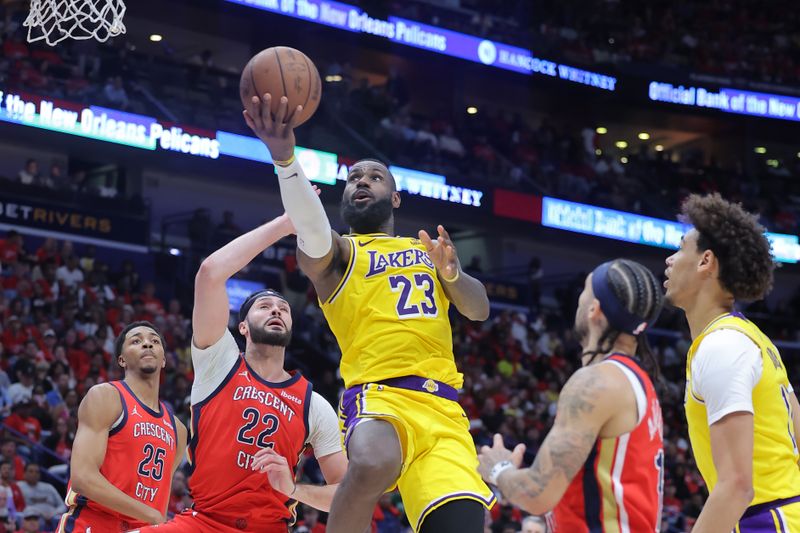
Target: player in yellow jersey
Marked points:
386	299
742	412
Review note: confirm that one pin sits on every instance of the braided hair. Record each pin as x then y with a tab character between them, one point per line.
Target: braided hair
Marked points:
638	303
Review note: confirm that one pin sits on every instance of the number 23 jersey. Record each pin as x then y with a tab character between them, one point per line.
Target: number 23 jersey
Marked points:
389	313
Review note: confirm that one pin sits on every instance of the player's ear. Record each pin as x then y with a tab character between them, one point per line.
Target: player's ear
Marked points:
595	310
121	362
395	199
243	328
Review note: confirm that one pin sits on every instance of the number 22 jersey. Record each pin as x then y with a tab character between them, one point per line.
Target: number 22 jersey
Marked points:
235	413
389	313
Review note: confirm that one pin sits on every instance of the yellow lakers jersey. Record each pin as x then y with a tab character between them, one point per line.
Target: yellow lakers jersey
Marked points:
389	313
776	474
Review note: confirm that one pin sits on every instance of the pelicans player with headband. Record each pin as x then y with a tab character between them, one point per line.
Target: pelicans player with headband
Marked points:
386	299
742	412
128	444
249	415
601	467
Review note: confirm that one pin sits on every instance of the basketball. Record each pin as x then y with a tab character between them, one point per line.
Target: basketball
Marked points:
282	71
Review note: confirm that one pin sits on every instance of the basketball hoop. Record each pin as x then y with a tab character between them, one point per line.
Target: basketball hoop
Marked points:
55	20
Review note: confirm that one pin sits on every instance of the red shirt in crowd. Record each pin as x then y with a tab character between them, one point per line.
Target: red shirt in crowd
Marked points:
9	251
11	340
29	426
16	494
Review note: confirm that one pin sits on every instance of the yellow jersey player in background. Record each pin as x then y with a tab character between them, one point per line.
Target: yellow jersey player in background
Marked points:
742	412
386	299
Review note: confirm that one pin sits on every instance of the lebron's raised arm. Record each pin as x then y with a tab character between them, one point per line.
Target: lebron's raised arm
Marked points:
210	314
323	253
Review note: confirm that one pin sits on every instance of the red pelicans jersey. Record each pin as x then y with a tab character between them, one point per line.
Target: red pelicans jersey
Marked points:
243	415
141	450
620	487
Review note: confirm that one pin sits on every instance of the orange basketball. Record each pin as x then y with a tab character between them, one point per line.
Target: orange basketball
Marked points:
282	71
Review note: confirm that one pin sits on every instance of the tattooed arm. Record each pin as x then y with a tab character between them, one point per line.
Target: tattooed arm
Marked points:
590	399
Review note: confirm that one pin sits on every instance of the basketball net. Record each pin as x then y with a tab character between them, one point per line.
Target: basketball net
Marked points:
55	20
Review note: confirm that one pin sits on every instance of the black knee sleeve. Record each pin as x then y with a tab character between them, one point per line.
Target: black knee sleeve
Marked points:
458	516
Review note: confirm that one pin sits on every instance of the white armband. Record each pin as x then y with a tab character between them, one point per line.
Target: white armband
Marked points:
498	469
305	210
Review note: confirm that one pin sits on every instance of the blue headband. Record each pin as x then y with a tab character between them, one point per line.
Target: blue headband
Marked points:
245	308
617	315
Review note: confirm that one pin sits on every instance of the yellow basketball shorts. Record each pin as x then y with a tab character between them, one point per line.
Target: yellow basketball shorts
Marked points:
439	458
780	516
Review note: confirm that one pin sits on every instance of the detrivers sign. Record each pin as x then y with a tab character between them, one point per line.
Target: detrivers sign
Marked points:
80	223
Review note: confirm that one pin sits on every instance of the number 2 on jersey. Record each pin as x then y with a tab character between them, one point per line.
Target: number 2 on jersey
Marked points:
405	286
251	416
152	465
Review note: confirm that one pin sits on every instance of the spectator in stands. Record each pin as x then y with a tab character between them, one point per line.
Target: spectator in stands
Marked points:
450	144
87	260
152	304
533	524
179	498
204	60
310	522
30	174
387	517
128	278
11	248
7	509
23	423
60	443
70	275
40	496
506	521
48	251
115	94
32	521
14	337
226	231
22	391
16	465
76	182
55	179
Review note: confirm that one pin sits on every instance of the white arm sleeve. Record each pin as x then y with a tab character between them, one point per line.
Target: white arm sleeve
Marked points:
211	365
725	369
323	427
305	210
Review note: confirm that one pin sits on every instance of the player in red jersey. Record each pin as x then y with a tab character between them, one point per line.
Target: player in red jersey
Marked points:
127	446
247	411
600	468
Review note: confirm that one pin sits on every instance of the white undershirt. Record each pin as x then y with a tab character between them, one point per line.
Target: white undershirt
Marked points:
213	364
725	369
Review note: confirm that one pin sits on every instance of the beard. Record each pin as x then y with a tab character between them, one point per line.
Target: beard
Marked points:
366	219
268	337
581	329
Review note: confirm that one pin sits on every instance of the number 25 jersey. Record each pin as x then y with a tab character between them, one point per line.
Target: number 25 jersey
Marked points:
389	313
